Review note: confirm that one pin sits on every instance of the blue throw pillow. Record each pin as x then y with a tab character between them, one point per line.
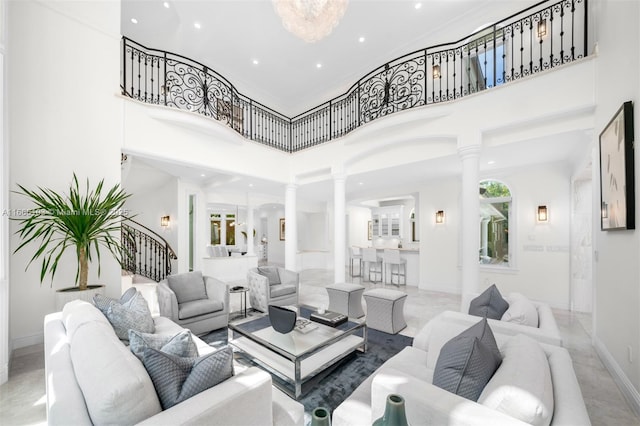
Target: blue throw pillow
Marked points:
102	302
133	315
180	344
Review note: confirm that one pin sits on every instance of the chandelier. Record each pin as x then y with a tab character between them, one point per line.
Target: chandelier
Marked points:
310	20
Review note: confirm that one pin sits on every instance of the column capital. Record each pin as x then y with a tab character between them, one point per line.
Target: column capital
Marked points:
291	186
469	151
339	176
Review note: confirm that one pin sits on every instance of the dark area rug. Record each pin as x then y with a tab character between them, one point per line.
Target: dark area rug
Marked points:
331	389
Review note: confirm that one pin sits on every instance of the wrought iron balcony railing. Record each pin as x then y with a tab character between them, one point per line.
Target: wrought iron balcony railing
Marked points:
541	37
145	252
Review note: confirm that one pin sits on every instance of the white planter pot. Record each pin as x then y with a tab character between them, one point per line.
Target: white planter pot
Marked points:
65	295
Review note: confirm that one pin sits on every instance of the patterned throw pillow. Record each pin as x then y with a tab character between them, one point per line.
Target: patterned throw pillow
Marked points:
102	302
134	315
177	379
181	344
490	304
468	361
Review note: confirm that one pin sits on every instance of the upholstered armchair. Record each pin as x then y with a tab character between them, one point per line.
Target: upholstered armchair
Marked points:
270	285
198	303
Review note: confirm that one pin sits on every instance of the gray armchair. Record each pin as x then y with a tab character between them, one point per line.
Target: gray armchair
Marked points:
198	303
270	285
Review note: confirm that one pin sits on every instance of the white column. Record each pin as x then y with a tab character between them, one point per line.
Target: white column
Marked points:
291	228
250	226
470	156
339	227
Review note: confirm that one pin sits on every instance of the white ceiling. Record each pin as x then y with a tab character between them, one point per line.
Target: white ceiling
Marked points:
233	33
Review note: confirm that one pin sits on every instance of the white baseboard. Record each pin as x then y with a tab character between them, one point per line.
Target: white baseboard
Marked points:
621	379
22	342
441	288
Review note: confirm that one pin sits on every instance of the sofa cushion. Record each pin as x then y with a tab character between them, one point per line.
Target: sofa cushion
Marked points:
114	383
199	307
521	311
468	361
177	379
134	315
522	386
180	344
188	286
489	304
282	290
271	273
78	312
102	302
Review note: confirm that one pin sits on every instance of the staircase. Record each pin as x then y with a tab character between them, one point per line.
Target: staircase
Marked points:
145	252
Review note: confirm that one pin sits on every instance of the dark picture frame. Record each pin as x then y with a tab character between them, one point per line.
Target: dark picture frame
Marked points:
282	229
617	189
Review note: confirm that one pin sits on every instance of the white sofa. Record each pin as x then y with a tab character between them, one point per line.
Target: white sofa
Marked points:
546	332
410	374
93	378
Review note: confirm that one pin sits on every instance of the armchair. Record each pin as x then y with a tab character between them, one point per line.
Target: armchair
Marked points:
198	303
270	285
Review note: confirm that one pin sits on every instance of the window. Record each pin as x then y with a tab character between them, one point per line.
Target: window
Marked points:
495	212
485	61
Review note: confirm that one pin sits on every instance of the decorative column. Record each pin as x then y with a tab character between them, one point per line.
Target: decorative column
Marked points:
470	156
339	227
291	228
250	226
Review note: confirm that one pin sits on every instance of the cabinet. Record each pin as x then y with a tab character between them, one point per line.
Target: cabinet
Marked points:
387	222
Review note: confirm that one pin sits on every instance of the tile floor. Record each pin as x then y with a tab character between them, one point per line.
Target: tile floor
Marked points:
22	398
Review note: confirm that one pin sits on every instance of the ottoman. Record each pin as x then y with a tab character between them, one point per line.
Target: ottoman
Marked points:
346	299
385	309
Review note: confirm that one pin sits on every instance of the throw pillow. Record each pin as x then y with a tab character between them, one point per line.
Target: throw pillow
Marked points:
188	286
181	344
102	302
521	311
468	361
135	315
271	273
489	304
177	379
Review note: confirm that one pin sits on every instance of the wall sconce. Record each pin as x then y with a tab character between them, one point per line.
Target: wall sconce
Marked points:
165	221
605	210
543	214
542	28
436	72
440	216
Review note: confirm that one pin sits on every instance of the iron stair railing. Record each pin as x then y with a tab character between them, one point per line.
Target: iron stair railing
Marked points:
145	252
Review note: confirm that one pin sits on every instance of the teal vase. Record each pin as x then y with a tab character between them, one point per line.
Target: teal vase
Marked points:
320	417
394	414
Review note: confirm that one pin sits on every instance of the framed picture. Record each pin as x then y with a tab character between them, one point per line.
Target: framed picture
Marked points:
617	191
369	231
281	229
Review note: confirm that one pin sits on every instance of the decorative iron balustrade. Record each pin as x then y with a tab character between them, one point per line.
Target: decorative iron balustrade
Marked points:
536	39
144	254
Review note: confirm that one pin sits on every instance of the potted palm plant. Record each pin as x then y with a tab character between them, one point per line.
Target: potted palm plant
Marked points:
81	220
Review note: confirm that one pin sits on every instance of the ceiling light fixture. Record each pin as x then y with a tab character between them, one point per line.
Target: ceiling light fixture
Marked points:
255	62
418	6
318	65
361	39
310	20
166	4
134	21
197	25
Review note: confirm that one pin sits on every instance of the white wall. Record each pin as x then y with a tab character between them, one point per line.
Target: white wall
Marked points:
617	270
63	70
313	232
357	222
4	204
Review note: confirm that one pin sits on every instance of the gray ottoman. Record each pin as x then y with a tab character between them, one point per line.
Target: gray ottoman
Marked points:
385	309
346	298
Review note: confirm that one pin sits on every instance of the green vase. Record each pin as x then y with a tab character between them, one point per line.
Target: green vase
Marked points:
320	417
394	414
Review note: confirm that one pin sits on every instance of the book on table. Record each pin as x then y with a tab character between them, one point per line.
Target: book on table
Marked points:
332	319
304	326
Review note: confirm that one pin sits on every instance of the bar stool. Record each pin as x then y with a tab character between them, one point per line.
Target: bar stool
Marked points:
392	258
370	256
354	254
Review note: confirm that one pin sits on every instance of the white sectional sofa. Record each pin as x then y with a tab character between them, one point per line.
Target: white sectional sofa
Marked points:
93	378
546	332
410	374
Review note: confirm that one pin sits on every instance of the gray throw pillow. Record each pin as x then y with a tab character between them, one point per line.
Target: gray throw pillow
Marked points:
490	304
188	286
271	273
181	344
177	379
102	302
468	361
134	315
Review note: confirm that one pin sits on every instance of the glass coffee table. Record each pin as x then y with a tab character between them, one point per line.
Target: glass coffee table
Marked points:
294	358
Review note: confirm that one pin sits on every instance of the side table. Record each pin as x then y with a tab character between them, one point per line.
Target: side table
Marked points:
242	291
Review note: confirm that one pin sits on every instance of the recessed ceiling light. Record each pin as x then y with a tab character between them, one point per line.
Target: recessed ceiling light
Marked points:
361	39
197	25
360	183
418	6
255	62
202	175
166	4
134	21
491	162
318	65
250	185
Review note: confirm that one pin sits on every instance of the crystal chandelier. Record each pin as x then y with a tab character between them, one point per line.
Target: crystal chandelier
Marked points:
310	20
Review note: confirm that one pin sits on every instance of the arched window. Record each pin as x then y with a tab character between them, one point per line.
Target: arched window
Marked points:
495	212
